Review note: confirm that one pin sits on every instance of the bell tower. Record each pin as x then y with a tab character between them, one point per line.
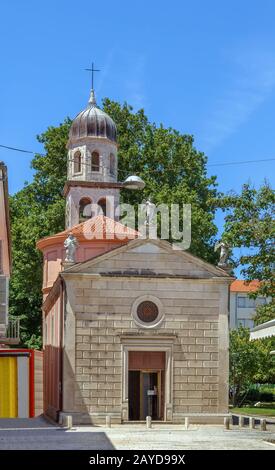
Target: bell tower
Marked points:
92	166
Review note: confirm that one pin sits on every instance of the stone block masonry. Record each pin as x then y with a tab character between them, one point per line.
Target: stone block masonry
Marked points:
196	373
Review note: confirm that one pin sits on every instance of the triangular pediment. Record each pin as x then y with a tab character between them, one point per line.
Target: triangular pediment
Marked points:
147	257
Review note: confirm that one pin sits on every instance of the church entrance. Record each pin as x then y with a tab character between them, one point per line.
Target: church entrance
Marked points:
146	385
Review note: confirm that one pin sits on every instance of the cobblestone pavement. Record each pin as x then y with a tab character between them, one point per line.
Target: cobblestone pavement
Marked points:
38	433
175	437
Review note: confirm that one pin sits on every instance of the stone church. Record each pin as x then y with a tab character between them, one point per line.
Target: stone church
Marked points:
131	327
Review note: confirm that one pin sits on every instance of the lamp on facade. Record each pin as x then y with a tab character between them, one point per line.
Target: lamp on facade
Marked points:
133	182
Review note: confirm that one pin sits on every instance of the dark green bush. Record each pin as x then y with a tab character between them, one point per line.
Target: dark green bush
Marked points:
254	395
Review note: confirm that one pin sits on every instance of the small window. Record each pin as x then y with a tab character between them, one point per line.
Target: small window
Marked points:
246	302
147	311
112	164
102	205
241	302
95	161
77	162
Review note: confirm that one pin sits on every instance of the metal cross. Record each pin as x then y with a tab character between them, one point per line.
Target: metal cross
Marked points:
93	70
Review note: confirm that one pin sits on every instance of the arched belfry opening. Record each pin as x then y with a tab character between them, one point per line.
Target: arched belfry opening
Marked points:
85	209
102	205
95	161
112	164
77	162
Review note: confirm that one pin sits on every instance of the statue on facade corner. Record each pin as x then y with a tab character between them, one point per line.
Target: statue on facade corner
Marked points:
224	253
150	209
70	244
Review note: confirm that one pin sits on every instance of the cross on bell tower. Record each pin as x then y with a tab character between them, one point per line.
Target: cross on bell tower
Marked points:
92	70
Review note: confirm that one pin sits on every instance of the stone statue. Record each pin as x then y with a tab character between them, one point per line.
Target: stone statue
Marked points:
70	244
150	209
224	253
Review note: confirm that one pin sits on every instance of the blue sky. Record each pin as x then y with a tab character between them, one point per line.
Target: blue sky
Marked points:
203	67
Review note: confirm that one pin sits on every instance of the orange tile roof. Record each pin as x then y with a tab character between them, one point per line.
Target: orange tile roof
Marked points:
243	286
99	228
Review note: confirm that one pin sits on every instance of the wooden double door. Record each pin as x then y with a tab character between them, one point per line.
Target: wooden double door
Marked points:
146	385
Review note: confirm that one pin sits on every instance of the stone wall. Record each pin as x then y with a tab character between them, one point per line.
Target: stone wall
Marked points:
194	322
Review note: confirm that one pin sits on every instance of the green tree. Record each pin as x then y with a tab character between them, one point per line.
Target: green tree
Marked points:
36	211
250	362
173	170
249	224
264	313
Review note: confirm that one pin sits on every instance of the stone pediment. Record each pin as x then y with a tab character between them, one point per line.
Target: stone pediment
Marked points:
148	258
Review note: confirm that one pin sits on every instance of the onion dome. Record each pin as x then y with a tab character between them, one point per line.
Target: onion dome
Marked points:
93	122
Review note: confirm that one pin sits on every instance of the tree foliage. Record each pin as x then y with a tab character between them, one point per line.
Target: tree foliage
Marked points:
250	362
250	224
173	170
36	211
264	313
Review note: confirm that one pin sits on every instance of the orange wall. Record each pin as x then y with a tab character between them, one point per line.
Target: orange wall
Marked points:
55	254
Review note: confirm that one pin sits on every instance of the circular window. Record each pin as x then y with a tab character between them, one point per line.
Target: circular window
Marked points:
147	311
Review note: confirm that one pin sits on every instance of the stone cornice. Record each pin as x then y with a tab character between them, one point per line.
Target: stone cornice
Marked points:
90	184
80	141
133	277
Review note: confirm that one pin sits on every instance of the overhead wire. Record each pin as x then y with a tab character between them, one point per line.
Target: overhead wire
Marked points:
241	162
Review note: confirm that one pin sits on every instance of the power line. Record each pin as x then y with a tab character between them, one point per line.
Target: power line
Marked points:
241	162
209	164
21	150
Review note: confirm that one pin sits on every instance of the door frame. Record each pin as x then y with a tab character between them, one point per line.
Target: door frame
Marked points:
163	344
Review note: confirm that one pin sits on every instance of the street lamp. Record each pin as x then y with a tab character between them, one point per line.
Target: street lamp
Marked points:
133	182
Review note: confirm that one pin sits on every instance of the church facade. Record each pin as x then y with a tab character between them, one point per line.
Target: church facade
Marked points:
131	327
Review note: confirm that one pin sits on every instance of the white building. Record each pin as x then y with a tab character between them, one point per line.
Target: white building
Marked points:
265	330
242	307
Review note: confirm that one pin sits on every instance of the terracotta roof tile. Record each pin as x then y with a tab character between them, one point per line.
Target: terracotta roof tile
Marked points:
101	227
98	228
243	286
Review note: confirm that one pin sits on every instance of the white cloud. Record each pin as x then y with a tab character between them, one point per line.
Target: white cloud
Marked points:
253	82
134	83
105	69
